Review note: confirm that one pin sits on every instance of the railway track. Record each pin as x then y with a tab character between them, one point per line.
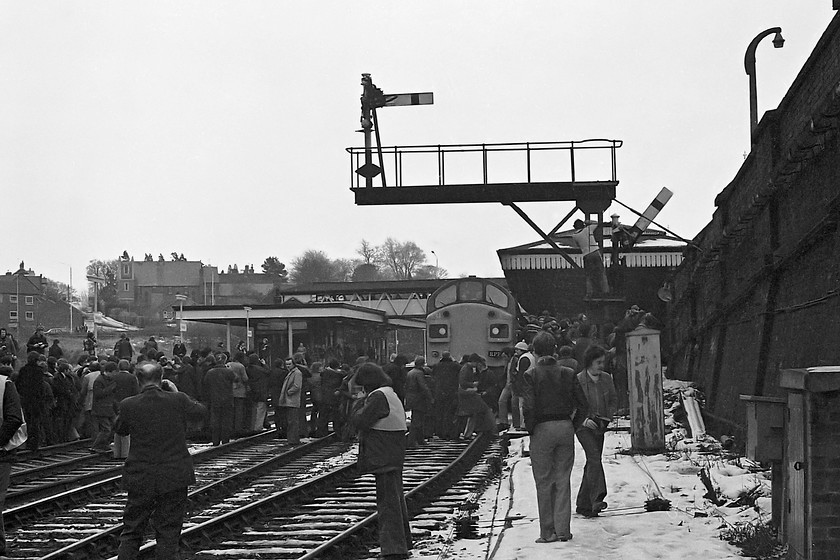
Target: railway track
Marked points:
332	514
90	529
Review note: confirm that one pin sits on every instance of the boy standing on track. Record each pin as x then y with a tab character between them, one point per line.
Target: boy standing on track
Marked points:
381	424
159	467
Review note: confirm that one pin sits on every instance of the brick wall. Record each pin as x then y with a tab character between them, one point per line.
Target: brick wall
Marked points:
763	292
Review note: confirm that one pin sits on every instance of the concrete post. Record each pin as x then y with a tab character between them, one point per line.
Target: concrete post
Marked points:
644	373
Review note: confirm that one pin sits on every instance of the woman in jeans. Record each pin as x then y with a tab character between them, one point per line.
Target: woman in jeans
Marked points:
600	393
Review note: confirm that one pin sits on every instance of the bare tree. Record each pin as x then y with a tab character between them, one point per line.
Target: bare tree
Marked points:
401	259
368	252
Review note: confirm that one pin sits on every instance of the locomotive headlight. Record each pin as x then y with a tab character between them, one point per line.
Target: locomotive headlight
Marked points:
499	331
438	331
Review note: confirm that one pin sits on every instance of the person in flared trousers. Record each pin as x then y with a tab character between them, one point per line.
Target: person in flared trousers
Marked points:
380	420
554	403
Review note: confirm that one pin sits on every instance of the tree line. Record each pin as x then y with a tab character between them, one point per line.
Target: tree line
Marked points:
392	260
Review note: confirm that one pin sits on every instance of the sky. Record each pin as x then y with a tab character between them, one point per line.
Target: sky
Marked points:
218	129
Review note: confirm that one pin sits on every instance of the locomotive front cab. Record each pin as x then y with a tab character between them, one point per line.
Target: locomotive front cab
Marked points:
470	315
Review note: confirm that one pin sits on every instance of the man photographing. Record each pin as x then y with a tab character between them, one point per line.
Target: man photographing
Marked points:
159	467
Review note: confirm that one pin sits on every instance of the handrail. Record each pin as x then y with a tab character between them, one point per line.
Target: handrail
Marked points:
396	178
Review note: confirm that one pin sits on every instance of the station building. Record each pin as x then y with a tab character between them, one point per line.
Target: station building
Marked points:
542	280
341	320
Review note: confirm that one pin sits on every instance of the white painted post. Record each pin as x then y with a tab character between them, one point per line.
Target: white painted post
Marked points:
644	376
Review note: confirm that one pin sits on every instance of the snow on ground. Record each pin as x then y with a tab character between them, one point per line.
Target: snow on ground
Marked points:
625	530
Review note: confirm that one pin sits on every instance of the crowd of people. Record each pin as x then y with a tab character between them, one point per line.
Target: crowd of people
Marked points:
553	385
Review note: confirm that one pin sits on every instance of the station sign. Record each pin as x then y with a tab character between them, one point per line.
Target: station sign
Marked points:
328	298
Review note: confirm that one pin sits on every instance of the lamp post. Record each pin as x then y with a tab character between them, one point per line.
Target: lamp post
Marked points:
436	264
749	66
247	329
18	274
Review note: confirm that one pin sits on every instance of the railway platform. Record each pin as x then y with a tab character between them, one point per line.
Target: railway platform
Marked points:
508	520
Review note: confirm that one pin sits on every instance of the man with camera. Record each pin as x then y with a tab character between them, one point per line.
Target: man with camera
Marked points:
159	467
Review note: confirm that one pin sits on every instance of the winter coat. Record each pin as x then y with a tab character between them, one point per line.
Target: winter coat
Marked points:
8	345
38	343
56	351
290	394
276	377
127	386
397	373
11	420
600	396
158	459
66	394
86	394
218	386
379	450
123	349
552	392
241	381
104	399
190	381
418	396
330	385
30	386
469	401
258	381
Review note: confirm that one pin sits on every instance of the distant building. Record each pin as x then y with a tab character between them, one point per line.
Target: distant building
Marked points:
147	289
24	305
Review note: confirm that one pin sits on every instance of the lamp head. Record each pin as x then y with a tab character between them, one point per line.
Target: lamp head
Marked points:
778	40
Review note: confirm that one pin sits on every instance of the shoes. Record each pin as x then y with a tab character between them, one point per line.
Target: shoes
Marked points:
552	538
586	512
565	538
599	507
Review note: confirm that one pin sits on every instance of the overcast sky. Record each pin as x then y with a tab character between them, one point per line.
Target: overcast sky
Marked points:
218	129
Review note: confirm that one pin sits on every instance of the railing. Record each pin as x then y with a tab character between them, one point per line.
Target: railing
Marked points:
397	156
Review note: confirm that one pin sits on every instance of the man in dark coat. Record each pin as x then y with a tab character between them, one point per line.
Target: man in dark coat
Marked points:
179	349
37	342
103	411
418	399
55	350
10	421
30	385
258	383
89	344
159	467
331	378
218	392
8	345
445	381
123	349
397	372
127	386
